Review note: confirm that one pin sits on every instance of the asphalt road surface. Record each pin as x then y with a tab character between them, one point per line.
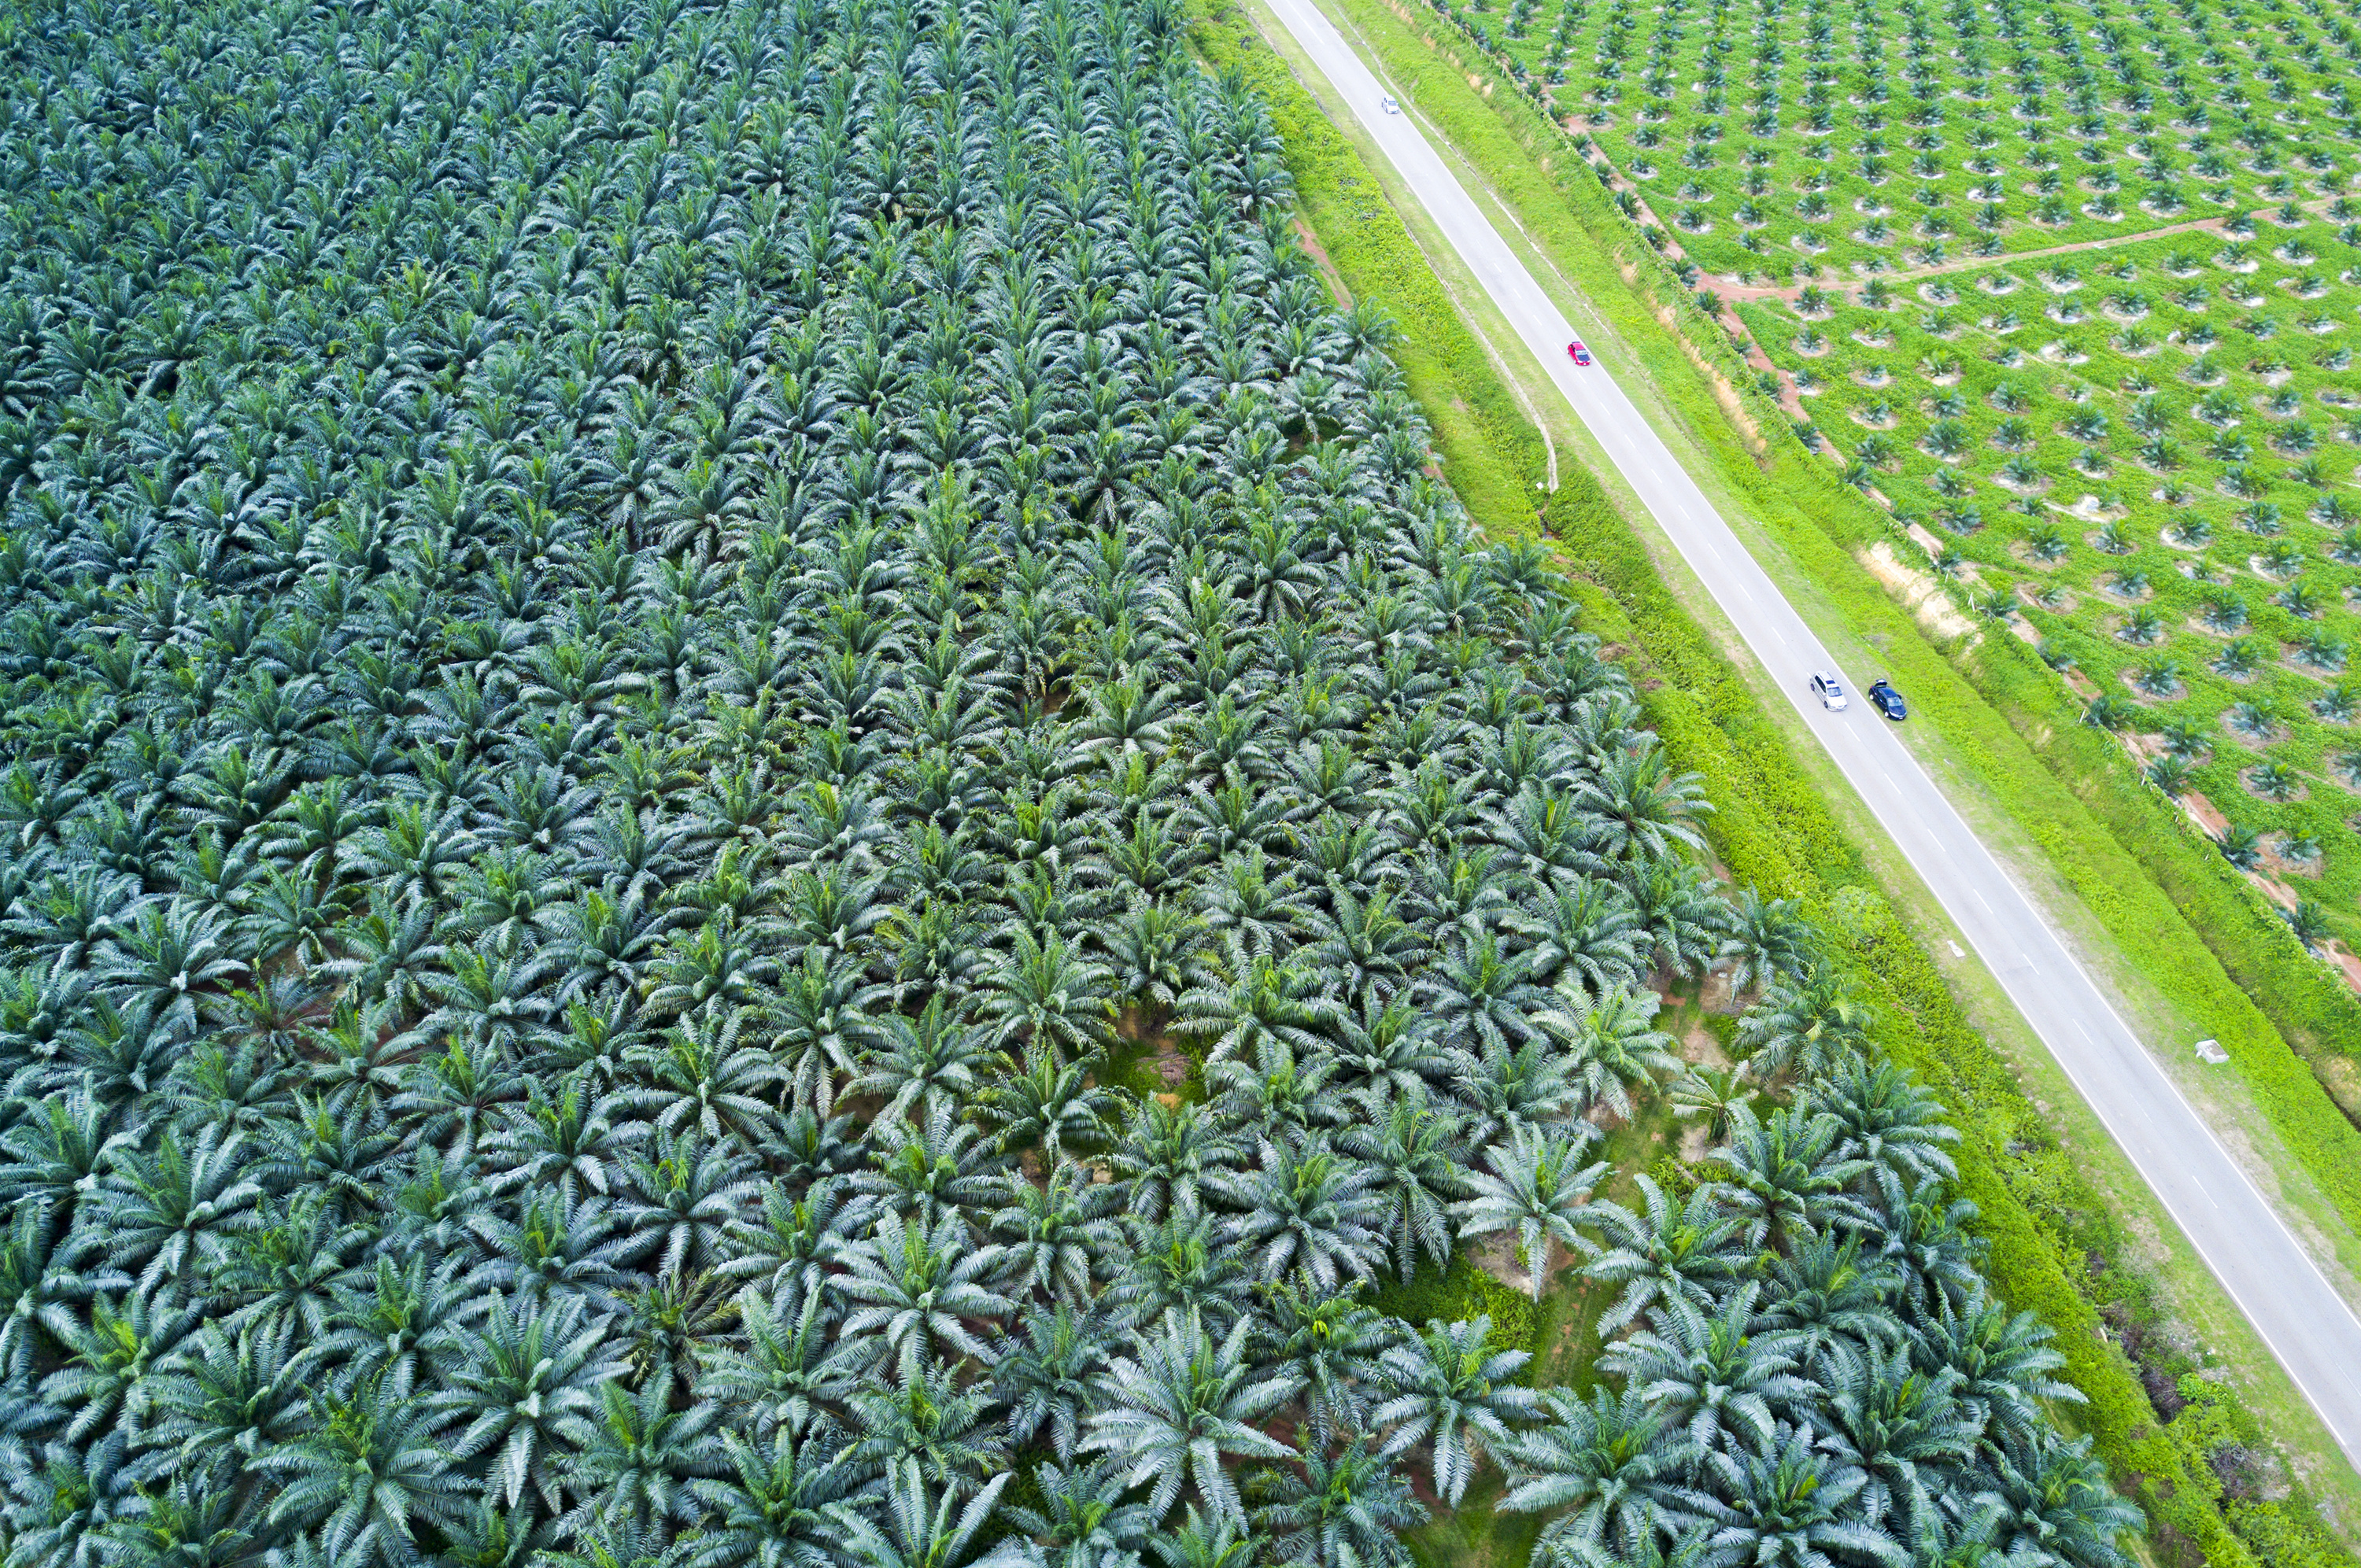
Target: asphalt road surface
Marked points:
2241	1237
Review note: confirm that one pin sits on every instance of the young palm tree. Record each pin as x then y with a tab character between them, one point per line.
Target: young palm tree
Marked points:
1342	1511
1537	1186
1179	1406
1608	1461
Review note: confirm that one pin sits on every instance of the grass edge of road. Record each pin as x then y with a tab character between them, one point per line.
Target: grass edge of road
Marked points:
2198	936
1772	828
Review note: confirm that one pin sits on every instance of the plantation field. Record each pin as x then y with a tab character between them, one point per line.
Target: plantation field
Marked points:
2138	434
2122	456
759	811
1855	140
2128	461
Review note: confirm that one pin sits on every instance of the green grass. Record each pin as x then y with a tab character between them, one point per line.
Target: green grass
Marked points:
2048	1227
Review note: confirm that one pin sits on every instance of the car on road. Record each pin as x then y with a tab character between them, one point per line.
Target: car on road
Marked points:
1389	104
1576	352
1888	701
1830	690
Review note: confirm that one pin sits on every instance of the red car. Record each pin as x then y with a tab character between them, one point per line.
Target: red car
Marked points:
1576	352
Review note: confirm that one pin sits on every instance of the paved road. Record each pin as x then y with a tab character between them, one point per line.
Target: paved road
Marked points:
2241	1237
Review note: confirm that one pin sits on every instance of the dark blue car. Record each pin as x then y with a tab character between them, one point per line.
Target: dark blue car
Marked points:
1888	702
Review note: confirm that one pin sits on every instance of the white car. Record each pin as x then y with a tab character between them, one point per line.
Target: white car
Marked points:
1389	106
1830	690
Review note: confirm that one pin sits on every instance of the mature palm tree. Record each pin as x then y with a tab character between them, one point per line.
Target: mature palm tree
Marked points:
1910	1433
1045	996
1456	1398
931	1422
1419	1166
920	1530
1780	1503
1178	1406
1585	932
1054	1236
2005	1363
1308	1208
770	1509
1046	1375
527	1371
1887	1118
915	1290
1709	1371
1788	1177
368	1475
781	1372
2057	1507
1166	1155
1828	1294
1083	1520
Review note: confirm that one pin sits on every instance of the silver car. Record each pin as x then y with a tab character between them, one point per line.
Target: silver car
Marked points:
1830	690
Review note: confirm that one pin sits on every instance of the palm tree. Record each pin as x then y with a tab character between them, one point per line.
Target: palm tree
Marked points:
1887	1118
1179	1404
1308	1208
528	1371
1083	1519
1054	1235
1418	1164
919	1531
916	1287
1537	1186
1783	1505
1688	1250
1611	1045
1455	1397
1342	1511
770	1509
368	1475
1046	1375
1708	1371
1608	1459
2056	1503
1043	994
1803	1025
1769	940
2004	1363
1167	1154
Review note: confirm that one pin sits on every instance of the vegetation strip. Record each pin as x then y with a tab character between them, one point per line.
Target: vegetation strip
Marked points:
2053	1241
